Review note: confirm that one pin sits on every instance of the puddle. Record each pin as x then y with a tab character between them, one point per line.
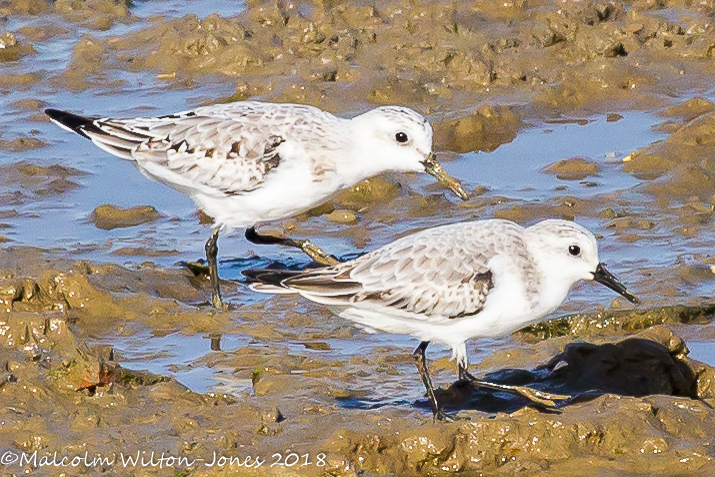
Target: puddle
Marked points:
605	143
702	351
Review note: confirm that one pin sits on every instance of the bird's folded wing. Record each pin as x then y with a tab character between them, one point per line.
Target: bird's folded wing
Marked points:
430	277
217	154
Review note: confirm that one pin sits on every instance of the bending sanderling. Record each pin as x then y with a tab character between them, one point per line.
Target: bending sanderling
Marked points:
452	283
248	162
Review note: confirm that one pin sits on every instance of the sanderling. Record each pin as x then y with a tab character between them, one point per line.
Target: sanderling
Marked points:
455	282
245	163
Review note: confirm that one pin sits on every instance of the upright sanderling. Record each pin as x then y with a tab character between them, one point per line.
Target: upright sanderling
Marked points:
452	283
245	163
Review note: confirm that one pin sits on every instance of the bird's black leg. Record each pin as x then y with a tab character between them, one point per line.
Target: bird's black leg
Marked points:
315	253
211	254
464	374
542	398
420	361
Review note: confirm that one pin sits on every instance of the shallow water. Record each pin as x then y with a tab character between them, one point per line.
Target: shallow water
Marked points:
702	351
514	171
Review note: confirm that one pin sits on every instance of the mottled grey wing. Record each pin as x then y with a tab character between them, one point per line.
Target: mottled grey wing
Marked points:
439	272
223	155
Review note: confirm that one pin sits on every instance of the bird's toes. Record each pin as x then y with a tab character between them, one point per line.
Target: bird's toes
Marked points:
443	417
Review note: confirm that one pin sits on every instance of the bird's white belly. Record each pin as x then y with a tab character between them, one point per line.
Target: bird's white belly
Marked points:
445	331
288	192
505	310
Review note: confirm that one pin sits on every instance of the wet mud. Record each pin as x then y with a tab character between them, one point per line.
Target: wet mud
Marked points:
279	376
635	401
108	217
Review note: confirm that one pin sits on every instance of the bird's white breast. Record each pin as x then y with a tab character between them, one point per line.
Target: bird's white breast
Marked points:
290	189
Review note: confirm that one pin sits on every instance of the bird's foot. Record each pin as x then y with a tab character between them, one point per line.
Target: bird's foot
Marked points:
540	397
442	416
198	269
543	398
218	303
317	254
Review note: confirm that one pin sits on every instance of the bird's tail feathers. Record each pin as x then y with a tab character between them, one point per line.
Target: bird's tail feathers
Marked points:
273	289
70	122
113	136
112	144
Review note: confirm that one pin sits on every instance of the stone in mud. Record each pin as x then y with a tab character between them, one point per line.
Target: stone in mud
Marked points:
21	144
275	383
11	49
376	190
342	216
92	368
567	208
108	217
24	7
573	169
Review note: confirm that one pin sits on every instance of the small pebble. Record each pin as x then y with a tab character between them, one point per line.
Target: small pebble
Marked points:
342	216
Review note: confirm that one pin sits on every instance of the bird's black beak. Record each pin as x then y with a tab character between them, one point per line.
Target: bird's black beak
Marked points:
604	277
435	169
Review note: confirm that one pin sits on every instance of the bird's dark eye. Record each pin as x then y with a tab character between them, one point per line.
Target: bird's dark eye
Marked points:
401	137
575	250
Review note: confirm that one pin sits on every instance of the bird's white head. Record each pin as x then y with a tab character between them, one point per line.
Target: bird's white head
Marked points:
395	138
566	253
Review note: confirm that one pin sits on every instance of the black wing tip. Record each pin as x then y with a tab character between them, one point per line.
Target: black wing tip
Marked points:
71	121
253	273
268	276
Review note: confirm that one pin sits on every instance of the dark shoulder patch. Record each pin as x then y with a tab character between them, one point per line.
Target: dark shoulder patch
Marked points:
273	162
483	283
273	143
178	116
271	159
176	147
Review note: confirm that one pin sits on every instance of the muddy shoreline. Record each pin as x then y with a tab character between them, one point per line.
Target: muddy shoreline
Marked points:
293	401
91	285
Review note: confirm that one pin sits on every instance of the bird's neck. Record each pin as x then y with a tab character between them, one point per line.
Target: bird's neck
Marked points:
361	163
553	285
